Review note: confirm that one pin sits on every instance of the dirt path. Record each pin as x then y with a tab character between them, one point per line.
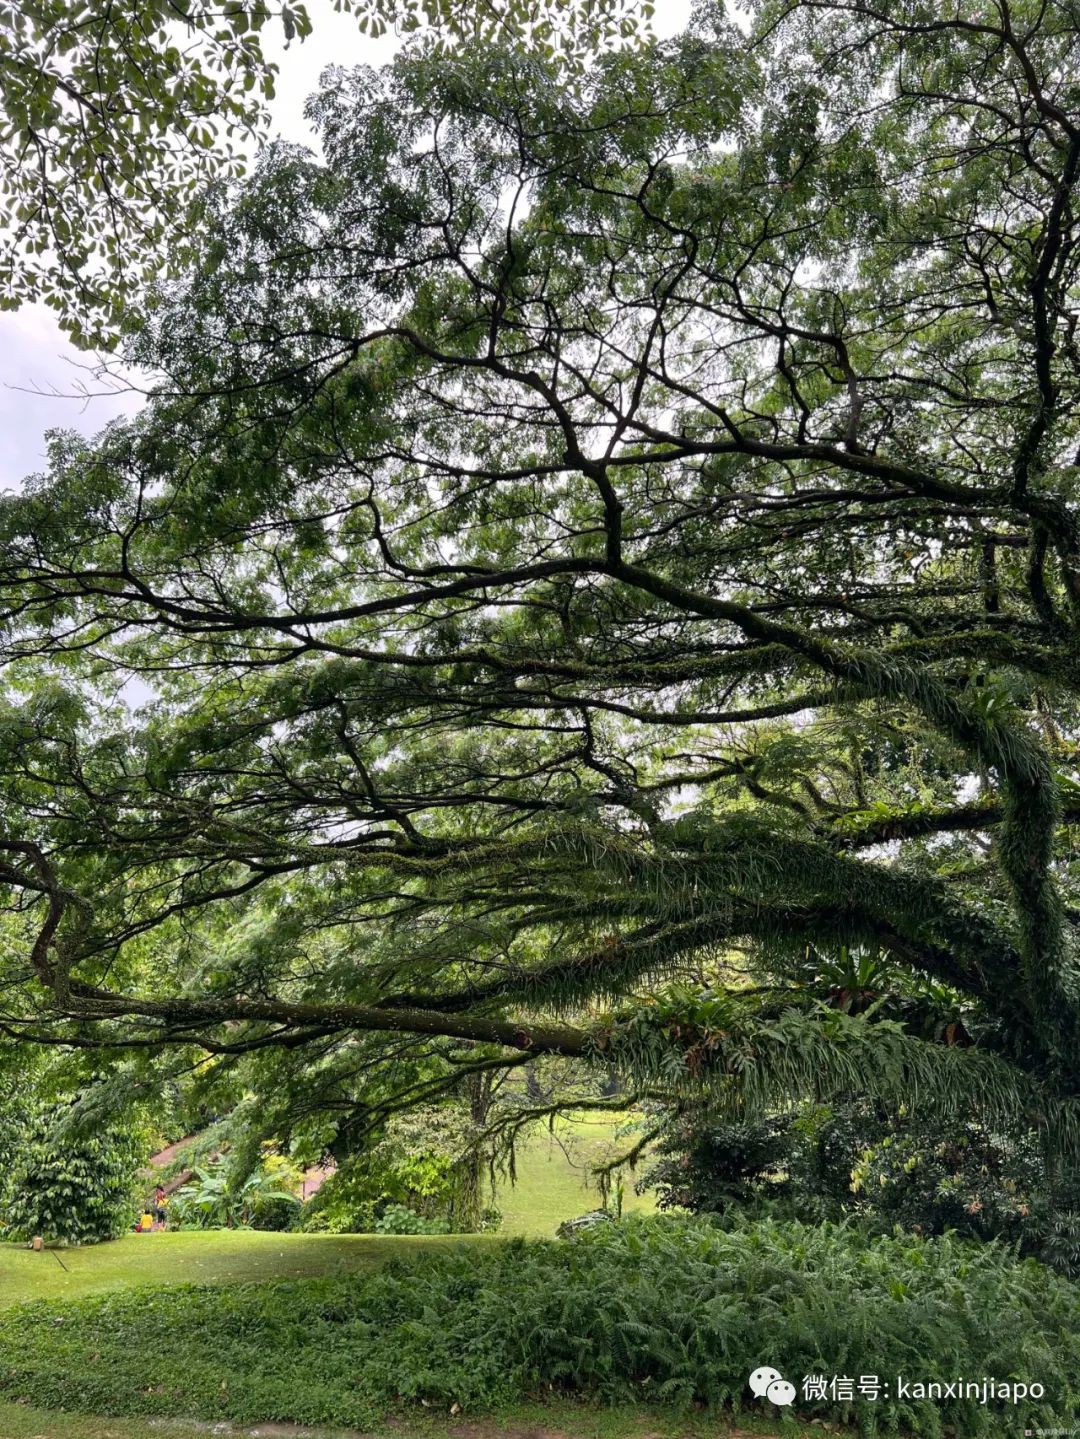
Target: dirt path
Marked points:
20	1422
487	1430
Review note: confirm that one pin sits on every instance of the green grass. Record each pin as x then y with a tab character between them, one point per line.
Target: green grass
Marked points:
198	1257
666	1312
19	1422
552	1185
553	1177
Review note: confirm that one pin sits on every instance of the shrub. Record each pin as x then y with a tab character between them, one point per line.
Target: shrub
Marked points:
672	1311
705	1167
69	1187
857	1158
962	1179
349	1202
216	1198
276	1215
368	1185
399	1219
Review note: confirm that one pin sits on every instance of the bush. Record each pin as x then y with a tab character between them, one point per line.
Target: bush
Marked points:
275	1215
857	1158
665	1310
367	1186
217	1198
399	1219
339	1213
706	1167
349	1201
962	1179
70	1188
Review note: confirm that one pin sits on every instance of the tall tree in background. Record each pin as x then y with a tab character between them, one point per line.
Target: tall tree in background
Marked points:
580	535
114	117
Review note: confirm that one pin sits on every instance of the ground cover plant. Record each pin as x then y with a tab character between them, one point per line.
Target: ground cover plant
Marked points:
859	1158
666	1311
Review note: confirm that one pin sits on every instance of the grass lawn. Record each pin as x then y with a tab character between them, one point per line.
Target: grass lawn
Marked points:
552	1185
553	1176
213	1257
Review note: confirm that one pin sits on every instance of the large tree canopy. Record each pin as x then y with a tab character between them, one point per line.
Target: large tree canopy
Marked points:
579	534
112	117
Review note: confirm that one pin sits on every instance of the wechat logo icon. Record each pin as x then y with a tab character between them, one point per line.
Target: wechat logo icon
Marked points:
768	1383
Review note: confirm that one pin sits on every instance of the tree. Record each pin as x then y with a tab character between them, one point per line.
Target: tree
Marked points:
115	117
580	535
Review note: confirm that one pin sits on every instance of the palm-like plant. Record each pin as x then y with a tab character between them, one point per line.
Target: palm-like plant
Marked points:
216	1199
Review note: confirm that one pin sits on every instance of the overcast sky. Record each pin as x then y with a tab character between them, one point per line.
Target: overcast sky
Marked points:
36	360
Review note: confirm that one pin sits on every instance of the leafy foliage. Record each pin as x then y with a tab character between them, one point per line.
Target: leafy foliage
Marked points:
604	565
419	1178
215	1199
398	1219
675	1311
67	1186
865	1159
115	118
708	1168
961	1180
